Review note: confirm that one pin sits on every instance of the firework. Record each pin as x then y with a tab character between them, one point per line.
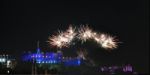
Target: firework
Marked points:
62	39
106	41
58	41
109	43
70	33
85	33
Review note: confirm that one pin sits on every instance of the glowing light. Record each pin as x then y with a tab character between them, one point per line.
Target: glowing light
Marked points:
127	68
39	56
2	60
48	61
32	56
51	62
39	62
8	71
79	62
8	63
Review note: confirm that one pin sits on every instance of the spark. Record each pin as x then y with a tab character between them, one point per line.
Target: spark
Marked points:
85	33
62	39
70	33
109	43
58	41
106	41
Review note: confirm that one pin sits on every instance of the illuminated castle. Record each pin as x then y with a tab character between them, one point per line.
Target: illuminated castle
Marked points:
51	58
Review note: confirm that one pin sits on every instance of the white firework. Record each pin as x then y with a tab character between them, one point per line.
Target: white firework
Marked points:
106	41
85	33
62	39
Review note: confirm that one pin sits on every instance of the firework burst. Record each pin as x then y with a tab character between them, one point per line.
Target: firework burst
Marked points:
84	33
106	41
62	39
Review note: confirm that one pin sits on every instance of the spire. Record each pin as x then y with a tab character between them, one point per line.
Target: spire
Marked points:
38	46
38	42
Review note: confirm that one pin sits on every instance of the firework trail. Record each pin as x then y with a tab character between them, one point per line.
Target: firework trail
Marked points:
82	54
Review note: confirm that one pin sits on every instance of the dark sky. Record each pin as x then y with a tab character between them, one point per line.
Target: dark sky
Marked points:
23	22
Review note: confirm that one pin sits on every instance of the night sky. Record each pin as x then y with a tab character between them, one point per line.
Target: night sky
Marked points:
24	22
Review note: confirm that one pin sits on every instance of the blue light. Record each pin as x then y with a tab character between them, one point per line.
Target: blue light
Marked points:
51	58
72	62
39	62
50	61
38	50
79	62
54	61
